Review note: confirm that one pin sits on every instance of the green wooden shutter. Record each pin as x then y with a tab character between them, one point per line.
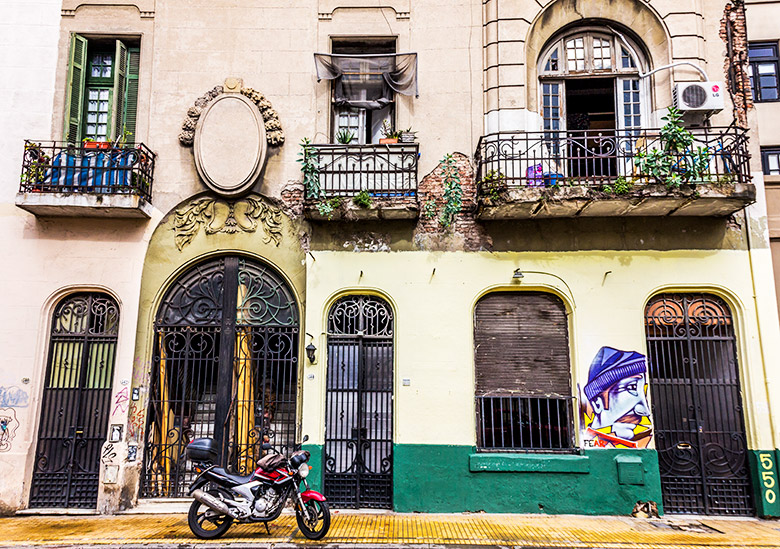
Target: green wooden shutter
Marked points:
74	103
131	99
120	88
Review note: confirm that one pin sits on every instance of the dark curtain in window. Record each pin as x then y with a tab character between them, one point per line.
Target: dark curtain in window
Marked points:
368	81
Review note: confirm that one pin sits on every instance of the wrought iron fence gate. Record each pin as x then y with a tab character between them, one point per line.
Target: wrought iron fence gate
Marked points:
76	402
225	367
697	409
358	457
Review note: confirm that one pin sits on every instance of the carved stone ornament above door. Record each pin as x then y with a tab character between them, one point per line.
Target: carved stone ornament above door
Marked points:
223	216
230	128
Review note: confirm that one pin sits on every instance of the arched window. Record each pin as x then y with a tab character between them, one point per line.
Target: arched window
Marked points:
522	372
76	401
589	81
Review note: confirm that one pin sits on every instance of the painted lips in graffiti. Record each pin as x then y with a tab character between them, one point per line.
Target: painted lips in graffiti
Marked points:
615	412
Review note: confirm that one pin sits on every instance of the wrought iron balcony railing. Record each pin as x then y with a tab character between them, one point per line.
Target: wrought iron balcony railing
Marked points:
524	423
597	158
380	170
55	167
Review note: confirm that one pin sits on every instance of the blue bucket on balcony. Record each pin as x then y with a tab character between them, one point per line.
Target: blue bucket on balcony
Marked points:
552	179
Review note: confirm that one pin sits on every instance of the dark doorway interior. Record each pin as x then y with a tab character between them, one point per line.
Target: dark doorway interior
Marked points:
590	121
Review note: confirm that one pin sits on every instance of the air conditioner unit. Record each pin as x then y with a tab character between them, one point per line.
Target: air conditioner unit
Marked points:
699	96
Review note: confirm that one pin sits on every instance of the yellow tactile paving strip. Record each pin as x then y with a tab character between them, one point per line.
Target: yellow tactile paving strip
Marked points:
391	528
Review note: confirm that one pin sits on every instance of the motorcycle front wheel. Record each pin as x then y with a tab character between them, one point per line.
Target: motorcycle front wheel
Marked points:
314	522
206	523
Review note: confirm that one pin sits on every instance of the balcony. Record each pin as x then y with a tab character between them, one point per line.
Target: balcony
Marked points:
523	175
93	180
385	174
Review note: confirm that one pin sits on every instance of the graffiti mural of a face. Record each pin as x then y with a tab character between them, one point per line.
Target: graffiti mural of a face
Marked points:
616	413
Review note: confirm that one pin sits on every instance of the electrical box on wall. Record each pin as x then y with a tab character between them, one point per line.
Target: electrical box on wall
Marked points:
699	96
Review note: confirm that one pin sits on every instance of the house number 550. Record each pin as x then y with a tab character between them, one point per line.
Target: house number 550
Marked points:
768	478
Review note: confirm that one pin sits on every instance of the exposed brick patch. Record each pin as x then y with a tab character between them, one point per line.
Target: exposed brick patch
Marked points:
292	199
733	31
465	233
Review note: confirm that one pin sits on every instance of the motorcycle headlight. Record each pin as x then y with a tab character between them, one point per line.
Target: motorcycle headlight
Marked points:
303	471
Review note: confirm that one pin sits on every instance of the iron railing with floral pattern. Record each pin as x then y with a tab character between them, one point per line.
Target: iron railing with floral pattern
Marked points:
57	167
596	158
381	170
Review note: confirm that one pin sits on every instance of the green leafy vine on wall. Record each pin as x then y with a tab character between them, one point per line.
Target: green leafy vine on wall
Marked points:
453	192
310	168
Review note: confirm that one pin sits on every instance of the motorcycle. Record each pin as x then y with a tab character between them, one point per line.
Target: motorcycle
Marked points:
222	498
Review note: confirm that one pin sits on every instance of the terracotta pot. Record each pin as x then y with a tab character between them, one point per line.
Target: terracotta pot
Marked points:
97	144
388	140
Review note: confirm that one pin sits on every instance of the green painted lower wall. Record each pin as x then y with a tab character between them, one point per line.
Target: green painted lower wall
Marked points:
453	479
439	479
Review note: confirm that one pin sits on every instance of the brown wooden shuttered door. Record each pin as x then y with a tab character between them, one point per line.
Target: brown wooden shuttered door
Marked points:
521	345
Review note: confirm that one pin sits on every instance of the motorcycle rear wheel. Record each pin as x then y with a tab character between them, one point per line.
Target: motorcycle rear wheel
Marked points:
206	523
317	520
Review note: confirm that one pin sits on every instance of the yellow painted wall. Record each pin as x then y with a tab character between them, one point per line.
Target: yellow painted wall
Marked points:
605	293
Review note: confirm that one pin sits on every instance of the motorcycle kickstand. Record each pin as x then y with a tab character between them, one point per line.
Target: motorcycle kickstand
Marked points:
267	529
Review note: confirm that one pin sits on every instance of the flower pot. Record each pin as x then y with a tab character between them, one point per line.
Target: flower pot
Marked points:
388	140
97	144
407	137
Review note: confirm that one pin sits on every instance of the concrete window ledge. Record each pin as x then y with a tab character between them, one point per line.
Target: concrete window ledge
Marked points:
528	463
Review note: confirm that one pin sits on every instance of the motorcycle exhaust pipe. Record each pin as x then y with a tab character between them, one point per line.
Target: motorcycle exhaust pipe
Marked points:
213	503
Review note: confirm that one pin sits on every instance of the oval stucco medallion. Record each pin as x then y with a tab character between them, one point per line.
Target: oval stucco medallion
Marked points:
230	144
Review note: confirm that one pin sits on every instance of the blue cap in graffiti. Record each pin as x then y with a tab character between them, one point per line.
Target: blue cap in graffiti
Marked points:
610	366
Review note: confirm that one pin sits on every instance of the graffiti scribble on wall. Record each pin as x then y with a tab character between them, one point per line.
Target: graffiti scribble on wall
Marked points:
614	410
13	397
8	426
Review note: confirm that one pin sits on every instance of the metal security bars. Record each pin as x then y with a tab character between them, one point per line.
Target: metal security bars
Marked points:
57	167
697	407
594	158
76	402
225	367
358	456
524	423
381	170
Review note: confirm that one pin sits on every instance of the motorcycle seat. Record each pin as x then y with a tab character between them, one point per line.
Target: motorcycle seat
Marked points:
238	479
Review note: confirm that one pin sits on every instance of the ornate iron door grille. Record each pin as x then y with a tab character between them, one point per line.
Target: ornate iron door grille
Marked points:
358	456
225	367
697	408
76	402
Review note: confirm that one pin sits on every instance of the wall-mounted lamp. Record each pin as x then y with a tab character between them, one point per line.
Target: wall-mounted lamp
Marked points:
518	274
310	350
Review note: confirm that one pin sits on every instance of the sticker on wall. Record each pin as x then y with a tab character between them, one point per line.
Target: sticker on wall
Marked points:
614	412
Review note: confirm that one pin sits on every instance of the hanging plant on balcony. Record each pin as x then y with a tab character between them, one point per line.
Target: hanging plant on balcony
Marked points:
310	168
453	193
676	162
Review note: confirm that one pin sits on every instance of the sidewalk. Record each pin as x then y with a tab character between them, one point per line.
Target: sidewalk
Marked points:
392	529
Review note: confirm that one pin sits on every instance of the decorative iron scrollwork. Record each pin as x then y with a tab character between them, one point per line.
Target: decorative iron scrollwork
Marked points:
221	216
361	314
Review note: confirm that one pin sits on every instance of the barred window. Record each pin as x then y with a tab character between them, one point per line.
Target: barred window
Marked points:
523	381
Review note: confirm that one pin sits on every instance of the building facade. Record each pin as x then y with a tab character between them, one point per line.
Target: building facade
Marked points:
465	247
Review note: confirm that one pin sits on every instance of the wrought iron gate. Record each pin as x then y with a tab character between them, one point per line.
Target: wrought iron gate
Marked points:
225	367
697	408
76	402
358	460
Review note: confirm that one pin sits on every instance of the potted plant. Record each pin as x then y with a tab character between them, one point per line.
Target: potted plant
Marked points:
407	136
90	143
390	135
345	136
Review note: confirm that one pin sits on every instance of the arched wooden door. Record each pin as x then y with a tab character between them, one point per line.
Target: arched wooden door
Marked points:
225	367
358	457
697	406
76	401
